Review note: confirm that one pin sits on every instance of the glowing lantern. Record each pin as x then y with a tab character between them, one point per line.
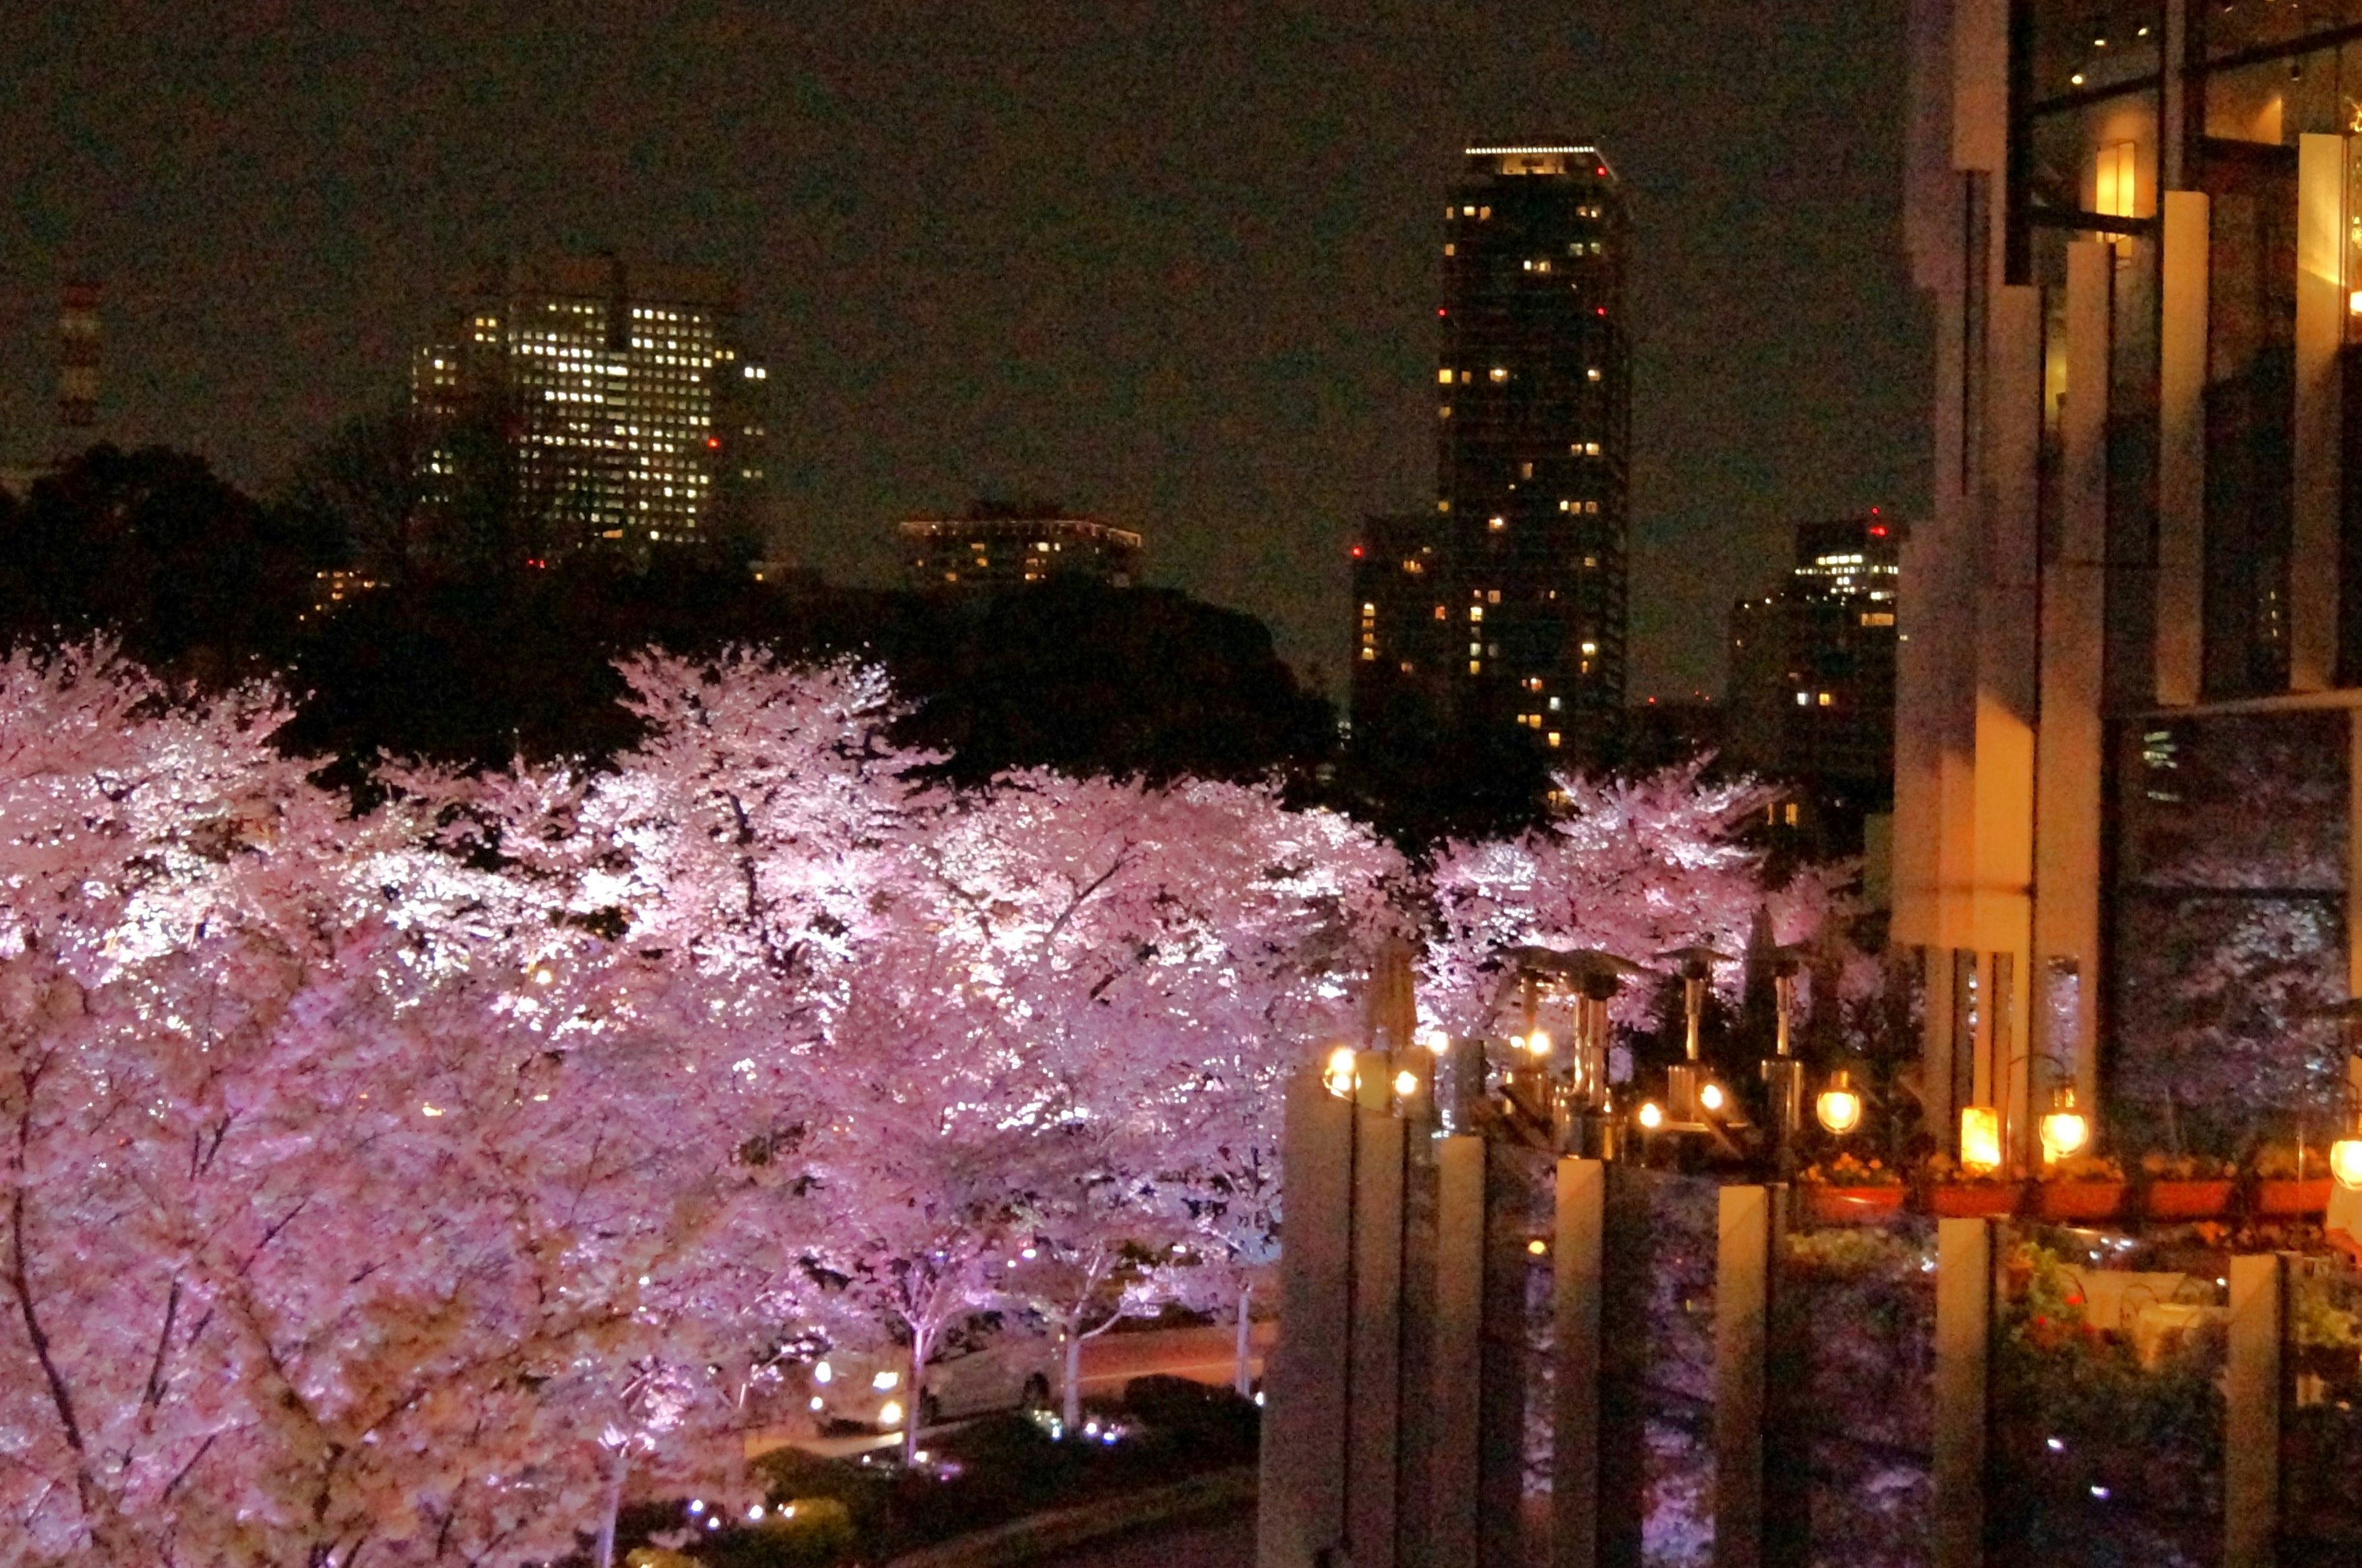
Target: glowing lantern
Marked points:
1651	1115
2065	1130
1710	1096
1340	1074
1538	1044
1840	1105
1979	1139
2346	1158
1406	1083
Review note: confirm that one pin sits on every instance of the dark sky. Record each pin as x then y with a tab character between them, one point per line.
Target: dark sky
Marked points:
1171	262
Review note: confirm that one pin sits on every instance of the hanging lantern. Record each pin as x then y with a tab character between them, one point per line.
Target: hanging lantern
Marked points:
2346	1156
1979	1139
2065	1130
1840	1105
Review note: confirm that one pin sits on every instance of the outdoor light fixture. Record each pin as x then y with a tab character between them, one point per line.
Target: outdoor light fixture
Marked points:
1840	1105
2346	1156
1979	1139
2065	1130
1651	1116
1538	1043
1340	1074
1710	1096
1437	1041
1406	1083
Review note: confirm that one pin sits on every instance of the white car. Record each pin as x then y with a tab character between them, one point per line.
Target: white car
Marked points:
977	1372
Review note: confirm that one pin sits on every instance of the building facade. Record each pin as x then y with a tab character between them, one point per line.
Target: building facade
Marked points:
2127	789
1811	691
986	550
1505	606
596	403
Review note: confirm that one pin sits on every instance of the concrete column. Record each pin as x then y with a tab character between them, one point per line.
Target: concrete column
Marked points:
1374	1359
2319	331
2181	447
2251	1412
1505	1379
1457	1359
1742	1307
2070	751
1302	1515
1578	1259
1964	1291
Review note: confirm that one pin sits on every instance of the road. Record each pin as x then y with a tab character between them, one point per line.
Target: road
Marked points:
1224	1543
1203	1355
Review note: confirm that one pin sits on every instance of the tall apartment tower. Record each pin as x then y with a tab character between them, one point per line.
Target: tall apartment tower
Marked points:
2126	746
77	365
1811	691
610	403
1505	606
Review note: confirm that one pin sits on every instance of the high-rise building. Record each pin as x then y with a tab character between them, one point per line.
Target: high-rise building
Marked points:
2128	770
994	546
604	404
1505	606
1811	693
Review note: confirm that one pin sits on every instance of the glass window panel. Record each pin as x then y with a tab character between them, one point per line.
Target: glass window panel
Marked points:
2233	27
2101	157
2082	46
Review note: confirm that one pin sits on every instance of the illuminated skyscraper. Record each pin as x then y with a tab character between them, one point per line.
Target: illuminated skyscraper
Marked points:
604	404
1505	606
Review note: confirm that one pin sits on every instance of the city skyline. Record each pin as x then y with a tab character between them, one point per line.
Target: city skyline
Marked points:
1016	256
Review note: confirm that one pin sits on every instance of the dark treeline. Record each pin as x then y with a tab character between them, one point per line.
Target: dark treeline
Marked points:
470	652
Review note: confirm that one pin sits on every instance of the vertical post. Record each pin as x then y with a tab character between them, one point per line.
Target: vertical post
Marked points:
1578	1250
2181	446
2251	1416
1374	1356
1742	1312
1302	1515
2319	426
1504	1380
1454	1425
1964	1293
1937	1045
1415	1442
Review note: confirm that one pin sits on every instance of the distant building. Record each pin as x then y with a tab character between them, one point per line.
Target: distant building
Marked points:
1666	733
1811	693
604	404
1506	607
991	548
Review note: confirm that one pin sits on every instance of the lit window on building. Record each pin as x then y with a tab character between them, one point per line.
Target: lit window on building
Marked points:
1501	373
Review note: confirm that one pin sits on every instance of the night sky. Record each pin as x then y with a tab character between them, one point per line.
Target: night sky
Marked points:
1171	263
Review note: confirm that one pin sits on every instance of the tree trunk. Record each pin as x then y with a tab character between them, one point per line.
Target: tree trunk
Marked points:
611	1503
1070	1407
1242	1374
920	1345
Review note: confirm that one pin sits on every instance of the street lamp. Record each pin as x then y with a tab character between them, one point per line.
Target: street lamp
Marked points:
1683	1087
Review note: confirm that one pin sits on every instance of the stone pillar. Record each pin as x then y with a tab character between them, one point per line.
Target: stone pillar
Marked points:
1458	1358
1375	1358
2251	1412
1964	1300
1302	1513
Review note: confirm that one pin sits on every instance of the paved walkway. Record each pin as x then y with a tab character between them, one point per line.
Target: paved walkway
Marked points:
1224	1543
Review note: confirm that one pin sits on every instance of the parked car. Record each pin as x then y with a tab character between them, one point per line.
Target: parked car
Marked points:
978	1370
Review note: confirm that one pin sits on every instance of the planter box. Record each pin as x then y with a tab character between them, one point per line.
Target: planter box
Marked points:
1849	1205
1972	1200
2283	1199
2208	1200
2078	1200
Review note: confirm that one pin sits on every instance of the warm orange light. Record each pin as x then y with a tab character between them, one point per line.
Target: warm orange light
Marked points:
1979	1139
1340	1074
2065	1130
1651	1115
1406	1083
1840	1105
2345	1162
